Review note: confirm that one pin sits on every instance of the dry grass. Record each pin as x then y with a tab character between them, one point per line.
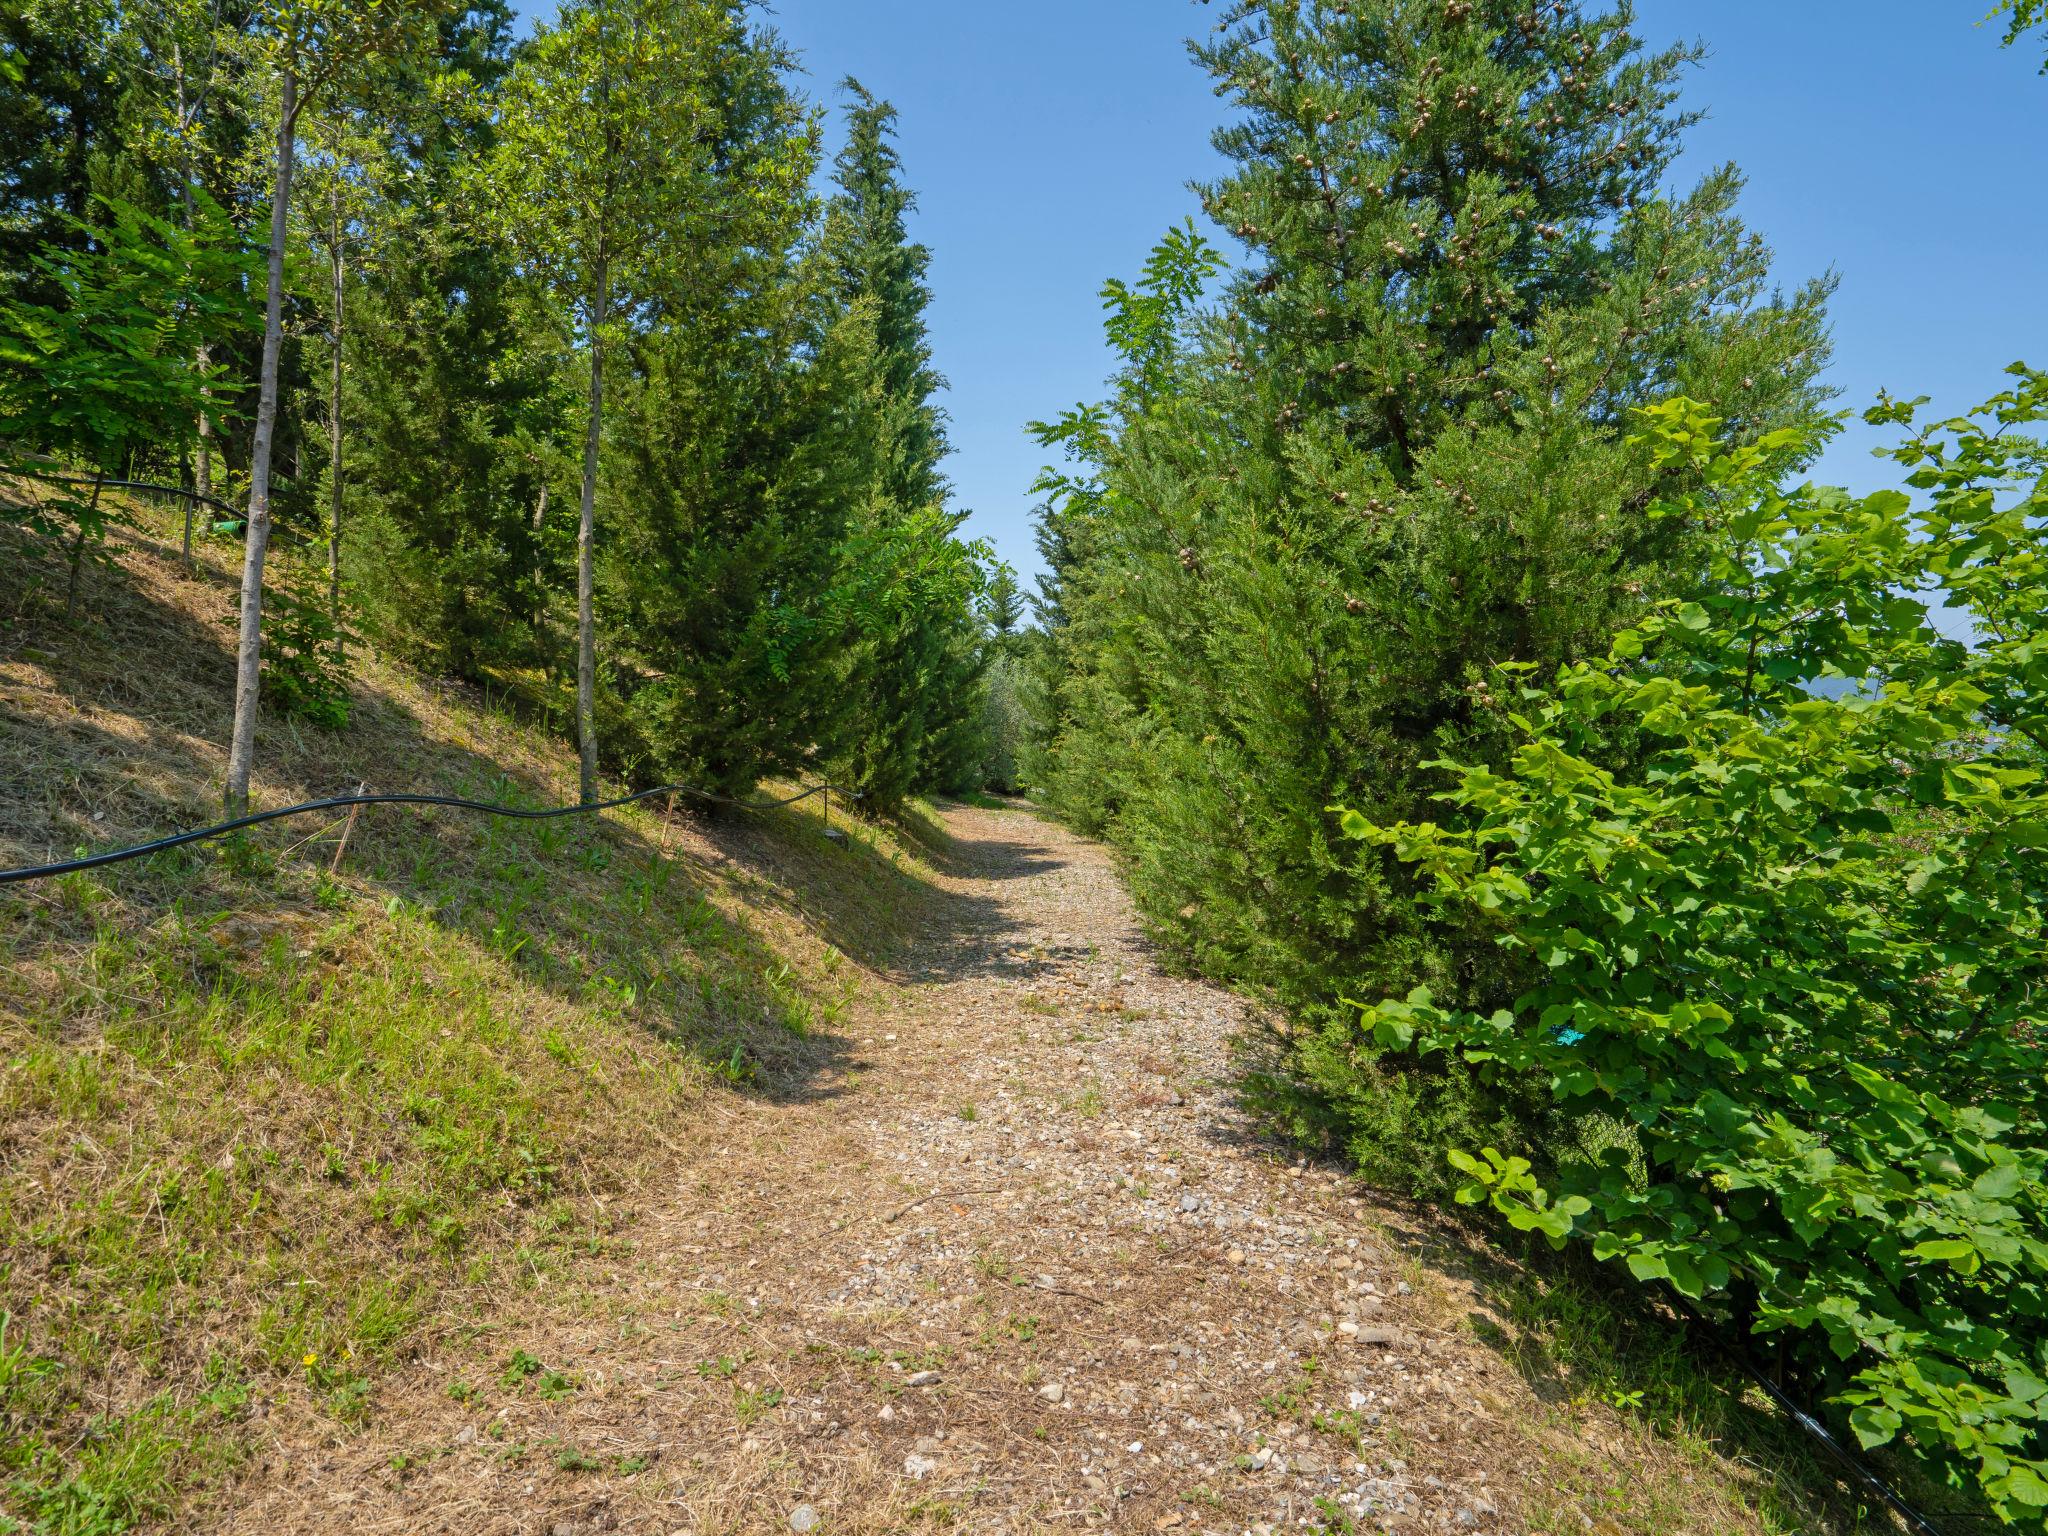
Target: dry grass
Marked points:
265	1133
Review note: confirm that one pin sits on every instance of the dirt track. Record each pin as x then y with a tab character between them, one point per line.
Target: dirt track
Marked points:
1010	1262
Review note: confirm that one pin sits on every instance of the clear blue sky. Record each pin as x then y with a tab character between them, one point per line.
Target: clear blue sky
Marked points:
1050	144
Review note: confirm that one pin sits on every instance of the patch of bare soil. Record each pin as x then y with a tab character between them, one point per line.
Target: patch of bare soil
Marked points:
1019	1264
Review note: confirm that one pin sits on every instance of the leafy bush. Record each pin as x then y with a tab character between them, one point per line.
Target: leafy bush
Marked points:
304	673
1004	724
1775	866
108	371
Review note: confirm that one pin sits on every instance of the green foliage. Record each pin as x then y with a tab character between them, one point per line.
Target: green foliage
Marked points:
906	587
301	676
1772	872
624	200
741	464
104	369
2023	16
1005	724
1394	451
873	257
461	405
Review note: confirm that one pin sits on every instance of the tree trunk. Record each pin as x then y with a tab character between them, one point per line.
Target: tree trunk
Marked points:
187	115
586	627
78	544
336	268
540	585
249	647
204	475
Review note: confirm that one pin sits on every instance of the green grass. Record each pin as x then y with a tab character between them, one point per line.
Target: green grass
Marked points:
1705	1447
248	1111
267	1128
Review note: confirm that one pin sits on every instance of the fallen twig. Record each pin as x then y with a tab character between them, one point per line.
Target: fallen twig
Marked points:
943	1194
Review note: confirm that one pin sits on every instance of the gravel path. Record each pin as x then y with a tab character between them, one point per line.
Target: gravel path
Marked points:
1015	1263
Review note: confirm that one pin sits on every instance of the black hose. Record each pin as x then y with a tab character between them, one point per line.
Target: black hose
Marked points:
133	485
1814	1429
343	802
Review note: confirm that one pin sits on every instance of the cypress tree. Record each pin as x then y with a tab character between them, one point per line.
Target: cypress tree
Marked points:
451	464
1394	457
875	259
727	513
909	582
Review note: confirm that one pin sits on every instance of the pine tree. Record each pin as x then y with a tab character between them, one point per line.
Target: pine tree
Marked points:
1395	457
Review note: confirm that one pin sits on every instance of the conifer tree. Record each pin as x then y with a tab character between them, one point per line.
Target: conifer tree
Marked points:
461	397
1393	457
61	91
744	444
1002	607
876	260
911	720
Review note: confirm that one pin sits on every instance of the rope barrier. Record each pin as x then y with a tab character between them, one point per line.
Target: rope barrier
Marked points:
352	802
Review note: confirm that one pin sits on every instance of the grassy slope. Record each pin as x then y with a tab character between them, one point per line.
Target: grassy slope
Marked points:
265	1132
266	1136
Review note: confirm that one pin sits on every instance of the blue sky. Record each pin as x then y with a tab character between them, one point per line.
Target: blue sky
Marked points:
1050	145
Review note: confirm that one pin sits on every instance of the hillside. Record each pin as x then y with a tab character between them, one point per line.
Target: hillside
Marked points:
267	1129
699	1173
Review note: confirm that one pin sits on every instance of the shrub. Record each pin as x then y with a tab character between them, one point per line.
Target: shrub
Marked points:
1004	724
1775	864
304	675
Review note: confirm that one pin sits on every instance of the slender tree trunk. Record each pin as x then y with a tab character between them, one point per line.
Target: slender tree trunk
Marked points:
540	586
249	648
78	544
204	474
337	269
586	626
187	115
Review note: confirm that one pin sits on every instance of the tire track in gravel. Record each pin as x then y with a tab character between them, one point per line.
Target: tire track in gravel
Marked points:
1020	1266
